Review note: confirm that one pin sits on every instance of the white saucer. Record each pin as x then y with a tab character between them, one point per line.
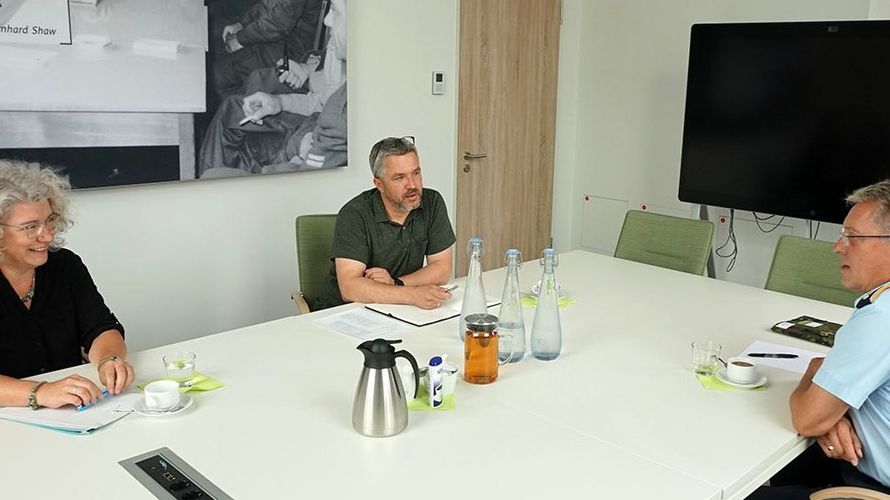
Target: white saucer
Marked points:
184	402
759	381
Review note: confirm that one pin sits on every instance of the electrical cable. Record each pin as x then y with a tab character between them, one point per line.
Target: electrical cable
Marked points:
733	254
758	220
814	235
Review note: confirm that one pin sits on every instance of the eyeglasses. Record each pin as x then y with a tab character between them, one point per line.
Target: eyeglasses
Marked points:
844	237
34	229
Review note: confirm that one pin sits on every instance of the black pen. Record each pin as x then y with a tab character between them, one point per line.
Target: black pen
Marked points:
781	355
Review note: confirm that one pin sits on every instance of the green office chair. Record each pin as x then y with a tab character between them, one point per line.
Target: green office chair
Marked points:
808	268
315	234
665	241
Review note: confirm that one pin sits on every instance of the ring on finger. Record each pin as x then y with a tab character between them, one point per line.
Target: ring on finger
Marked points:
830	448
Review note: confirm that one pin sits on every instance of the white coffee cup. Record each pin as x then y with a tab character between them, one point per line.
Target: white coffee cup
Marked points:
162	395
741	370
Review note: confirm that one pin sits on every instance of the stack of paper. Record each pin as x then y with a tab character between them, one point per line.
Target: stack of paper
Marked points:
67	419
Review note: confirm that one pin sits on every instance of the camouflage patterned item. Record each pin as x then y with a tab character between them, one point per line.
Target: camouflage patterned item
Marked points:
810	329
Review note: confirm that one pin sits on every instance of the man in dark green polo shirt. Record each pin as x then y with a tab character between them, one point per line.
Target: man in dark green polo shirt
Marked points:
383	235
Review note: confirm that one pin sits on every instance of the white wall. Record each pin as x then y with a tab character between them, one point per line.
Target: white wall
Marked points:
188	259
624	121
879	9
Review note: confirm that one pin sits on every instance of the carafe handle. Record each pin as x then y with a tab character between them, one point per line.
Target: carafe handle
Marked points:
407	355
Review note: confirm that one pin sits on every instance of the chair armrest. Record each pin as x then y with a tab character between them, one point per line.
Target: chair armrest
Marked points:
300	301
848	492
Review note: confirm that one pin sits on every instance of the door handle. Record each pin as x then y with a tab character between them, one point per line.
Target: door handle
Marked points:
474	156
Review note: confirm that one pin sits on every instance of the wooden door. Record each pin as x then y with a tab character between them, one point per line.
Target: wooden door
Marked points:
509	51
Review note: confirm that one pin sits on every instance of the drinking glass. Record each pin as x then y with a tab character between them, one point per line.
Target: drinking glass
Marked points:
704	357
180	366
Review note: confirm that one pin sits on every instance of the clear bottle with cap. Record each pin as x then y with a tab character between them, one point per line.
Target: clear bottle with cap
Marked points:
511	326
474	292
546	337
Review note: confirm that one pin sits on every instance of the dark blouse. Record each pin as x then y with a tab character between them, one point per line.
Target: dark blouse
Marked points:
67	313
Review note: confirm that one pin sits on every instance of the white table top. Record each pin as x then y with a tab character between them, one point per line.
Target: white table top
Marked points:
618	415
114	78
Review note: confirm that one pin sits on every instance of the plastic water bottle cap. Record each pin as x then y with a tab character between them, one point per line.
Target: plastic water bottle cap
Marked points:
435	361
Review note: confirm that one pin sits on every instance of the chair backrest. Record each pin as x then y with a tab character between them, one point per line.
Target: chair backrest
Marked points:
808	268
315	235
665	241
848	493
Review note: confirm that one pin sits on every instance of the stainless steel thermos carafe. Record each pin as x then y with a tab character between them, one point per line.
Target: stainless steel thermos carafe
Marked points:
380	408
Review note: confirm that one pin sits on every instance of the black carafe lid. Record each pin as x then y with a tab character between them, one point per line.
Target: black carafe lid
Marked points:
379	353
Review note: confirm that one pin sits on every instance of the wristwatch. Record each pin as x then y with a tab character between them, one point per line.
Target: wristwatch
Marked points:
32	397
398	282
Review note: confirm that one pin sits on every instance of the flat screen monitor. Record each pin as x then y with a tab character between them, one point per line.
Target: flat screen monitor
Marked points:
786	118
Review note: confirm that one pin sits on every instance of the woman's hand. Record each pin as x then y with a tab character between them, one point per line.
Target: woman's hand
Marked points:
71	390
115	374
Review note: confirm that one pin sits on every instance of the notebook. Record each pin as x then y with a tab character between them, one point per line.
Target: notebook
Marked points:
422	317
810	329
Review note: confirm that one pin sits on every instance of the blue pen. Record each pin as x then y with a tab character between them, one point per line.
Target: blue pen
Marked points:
87	405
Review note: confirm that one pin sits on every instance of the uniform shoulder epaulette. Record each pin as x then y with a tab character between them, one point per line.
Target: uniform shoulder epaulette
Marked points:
873	296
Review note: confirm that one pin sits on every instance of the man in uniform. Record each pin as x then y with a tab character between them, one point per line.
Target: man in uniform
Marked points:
843	400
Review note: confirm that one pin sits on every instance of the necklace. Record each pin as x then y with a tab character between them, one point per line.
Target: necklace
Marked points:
30	295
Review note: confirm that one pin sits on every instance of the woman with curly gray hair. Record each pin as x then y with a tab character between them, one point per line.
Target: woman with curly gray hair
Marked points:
50	309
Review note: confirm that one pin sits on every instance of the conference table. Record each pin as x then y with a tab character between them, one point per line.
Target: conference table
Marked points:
618	415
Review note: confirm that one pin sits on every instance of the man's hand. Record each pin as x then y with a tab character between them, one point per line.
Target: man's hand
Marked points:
295	76
260	105
841	442
380	275
230	31
429	296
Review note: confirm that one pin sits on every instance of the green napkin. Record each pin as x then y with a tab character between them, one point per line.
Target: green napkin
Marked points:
712	383
199	383
421	402
532	301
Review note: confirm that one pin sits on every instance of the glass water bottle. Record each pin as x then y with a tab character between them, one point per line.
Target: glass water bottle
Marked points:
546	338
511	345
474	292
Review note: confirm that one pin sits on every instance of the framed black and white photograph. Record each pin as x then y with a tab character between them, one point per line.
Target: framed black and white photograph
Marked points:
139	92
